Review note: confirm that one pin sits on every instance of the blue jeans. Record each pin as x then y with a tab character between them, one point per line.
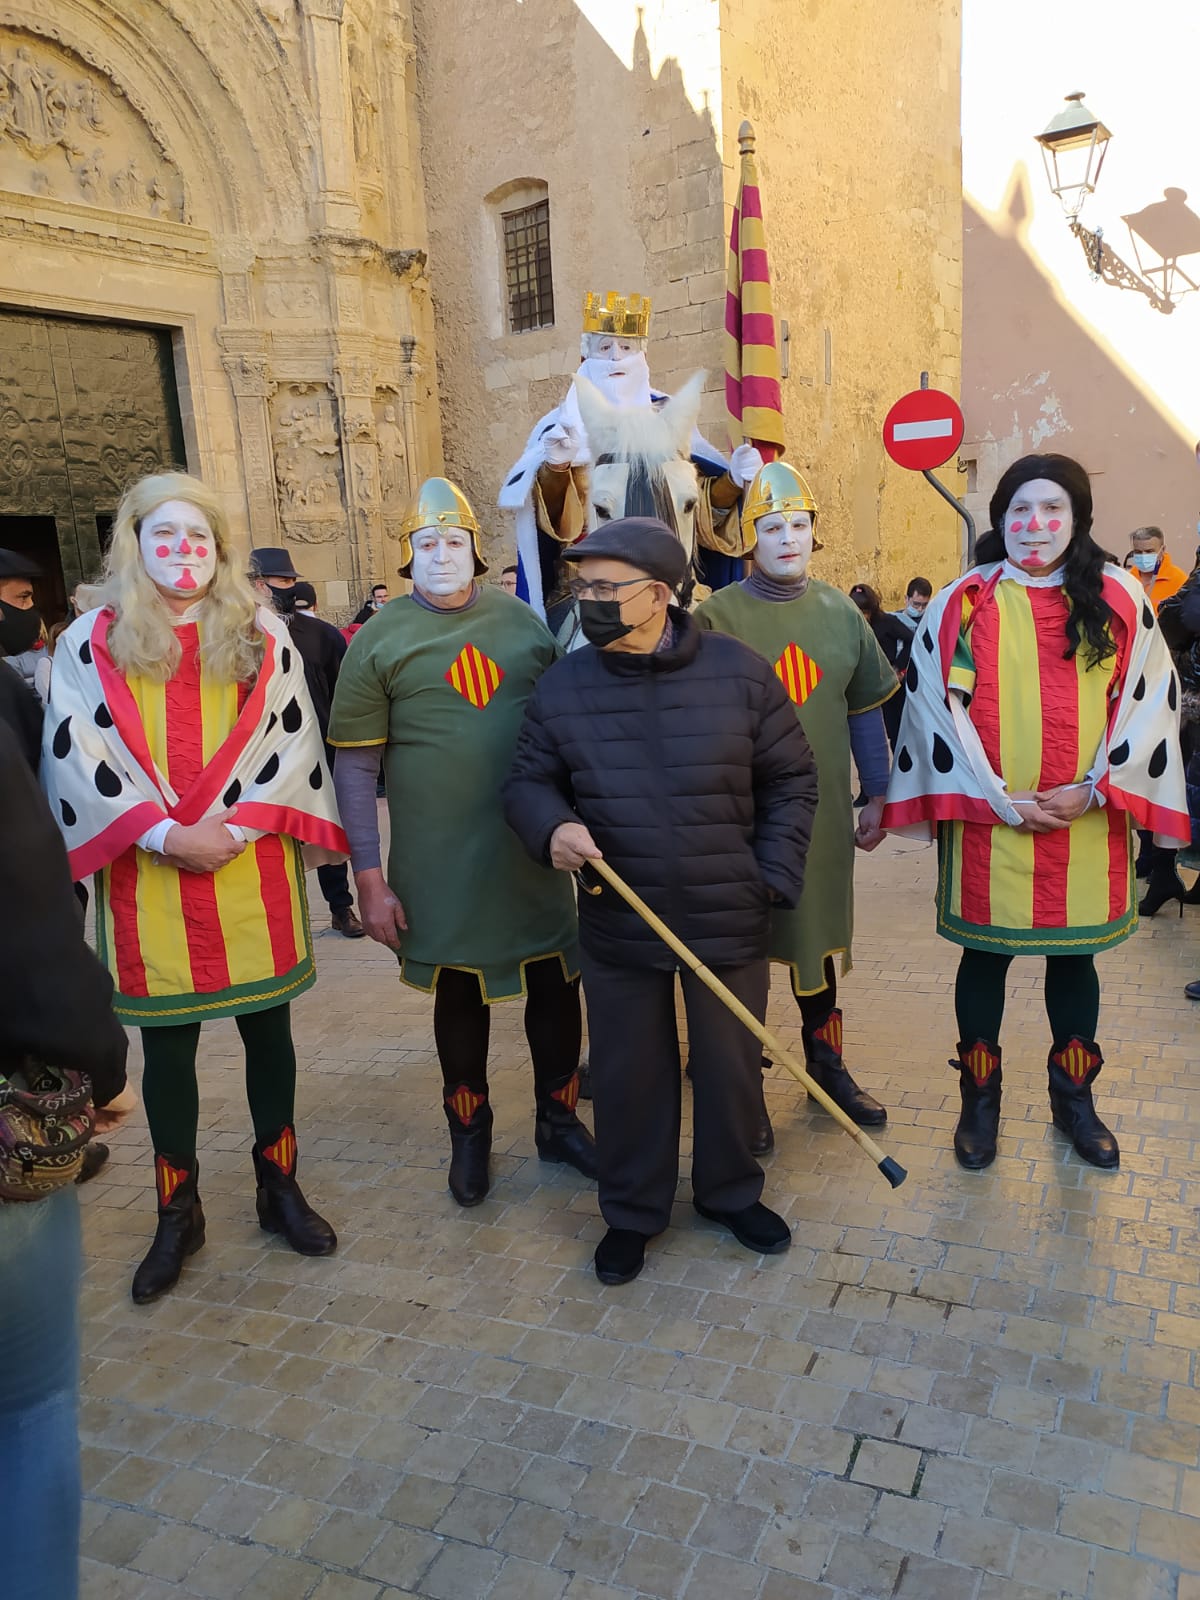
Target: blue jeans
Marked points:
40	1266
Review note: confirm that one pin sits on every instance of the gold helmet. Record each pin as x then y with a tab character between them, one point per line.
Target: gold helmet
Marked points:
439	504
778	487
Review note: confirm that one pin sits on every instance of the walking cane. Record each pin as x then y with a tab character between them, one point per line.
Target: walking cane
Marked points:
892	1170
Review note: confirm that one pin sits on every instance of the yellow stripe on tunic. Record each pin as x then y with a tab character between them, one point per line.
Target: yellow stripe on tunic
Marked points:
1020	757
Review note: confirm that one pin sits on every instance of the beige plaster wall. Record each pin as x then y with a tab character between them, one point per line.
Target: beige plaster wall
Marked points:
855	108
1054	360
629	113
248	177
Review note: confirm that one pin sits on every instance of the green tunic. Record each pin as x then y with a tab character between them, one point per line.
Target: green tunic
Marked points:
445	692
827	659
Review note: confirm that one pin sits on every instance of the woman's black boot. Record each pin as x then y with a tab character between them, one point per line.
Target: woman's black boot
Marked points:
1165	884
980	1081
280	1201
180	1231
470	1118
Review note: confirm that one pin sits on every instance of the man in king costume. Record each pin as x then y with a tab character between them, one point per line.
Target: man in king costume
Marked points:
837	677
1042	716
438	682
549	487
184	765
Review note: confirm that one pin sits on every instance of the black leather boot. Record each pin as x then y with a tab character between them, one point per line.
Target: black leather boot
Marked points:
823	1052
558	1132
281	1205
762	1134
1165	885
1073	1070
180	1231
980	1081
470	1118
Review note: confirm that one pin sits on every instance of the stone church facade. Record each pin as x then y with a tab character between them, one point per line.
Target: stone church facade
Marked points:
212	254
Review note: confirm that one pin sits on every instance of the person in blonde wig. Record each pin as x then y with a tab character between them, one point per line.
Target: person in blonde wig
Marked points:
184	765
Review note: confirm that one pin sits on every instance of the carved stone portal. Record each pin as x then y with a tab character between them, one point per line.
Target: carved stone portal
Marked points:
66	131
308	463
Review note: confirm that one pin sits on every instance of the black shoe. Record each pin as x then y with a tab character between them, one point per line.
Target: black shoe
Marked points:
585	1080
470	1118
1191	897
620	1255
347	924
94	1157
756	1227
1165	885
180	1231
1192	990
558	1132
823	1052
762	1135
980	1082
280	1201
1073	1070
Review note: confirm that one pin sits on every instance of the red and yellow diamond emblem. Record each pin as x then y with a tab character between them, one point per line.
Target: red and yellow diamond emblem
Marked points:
798	673
475	676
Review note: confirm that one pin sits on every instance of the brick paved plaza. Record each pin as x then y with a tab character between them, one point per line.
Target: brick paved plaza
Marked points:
979	1387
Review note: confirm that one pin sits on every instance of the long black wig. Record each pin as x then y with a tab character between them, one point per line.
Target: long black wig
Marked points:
1090	614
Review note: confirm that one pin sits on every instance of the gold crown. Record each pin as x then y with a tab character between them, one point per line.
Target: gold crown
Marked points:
626	315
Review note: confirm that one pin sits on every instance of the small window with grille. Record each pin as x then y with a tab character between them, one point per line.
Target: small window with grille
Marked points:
527	272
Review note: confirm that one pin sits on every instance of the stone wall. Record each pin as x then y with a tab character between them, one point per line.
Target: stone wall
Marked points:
244	176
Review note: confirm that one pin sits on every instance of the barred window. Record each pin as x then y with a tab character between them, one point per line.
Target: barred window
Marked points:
527	271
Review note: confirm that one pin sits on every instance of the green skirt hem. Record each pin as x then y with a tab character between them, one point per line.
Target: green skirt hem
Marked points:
798	981
168	1010
1038	941
498	985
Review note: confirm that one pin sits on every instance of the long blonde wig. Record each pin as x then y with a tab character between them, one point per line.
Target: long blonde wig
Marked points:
142	639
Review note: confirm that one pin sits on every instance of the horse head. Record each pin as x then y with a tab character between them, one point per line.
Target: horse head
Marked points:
641	458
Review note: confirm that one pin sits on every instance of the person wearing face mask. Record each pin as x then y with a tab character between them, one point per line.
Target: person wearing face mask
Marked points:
674	753
1042	719
916	599
437	683
1151	562
836	678
20	629
321	648
184	765
549	487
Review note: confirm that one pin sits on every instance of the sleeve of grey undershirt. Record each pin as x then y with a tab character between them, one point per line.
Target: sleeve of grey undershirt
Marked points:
355	776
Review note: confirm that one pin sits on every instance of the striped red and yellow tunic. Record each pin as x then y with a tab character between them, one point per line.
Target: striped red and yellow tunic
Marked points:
1041	720
183	946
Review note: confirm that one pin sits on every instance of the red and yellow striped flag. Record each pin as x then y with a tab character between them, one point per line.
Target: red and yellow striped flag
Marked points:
752	394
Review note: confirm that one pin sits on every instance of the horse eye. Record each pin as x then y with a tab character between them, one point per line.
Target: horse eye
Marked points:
689	506
603	513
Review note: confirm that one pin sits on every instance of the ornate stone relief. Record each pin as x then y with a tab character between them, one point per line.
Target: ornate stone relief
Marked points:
394	483
68	132
308	462
292	301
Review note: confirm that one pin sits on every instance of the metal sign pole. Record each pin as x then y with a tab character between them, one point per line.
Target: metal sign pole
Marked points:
968	519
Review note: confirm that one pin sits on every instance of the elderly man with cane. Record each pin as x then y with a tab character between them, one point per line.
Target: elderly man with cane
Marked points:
673	755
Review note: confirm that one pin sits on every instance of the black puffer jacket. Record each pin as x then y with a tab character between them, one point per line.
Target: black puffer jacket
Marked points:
693	776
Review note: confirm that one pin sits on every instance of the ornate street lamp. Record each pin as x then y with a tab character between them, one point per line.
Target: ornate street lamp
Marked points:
1074	144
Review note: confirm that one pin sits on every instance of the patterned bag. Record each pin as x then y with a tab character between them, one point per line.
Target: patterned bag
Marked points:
46	1120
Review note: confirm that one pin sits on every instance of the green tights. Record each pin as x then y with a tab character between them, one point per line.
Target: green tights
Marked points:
172	1097
1072	996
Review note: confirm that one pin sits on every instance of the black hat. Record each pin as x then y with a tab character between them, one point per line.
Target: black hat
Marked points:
641	542
305	591
15	565
271	561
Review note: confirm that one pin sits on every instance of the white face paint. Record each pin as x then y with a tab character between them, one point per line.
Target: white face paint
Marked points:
1038	526
443	561
179	550
785	544
622	378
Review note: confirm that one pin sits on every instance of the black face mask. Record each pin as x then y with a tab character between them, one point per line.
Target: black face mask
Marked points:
19	628
284	601
602	622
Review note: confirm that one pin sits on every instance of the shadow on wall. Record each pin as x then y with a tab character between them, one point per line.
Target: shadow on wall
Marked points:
1037	376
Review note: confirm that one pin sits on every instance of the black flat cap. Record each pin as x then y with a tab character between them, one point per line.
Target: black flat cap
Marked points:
642	542
272	561
14	565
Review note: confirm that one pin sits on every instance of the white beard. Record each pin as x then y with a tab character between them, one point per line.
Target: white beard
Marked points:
630	388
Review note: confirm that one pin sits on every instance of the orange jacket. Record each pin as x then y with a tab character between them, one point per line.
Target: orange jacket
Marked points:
1168	580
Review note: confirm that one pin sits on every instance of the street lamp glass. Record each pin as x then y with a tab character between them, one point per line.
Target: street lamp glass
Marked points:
1073	144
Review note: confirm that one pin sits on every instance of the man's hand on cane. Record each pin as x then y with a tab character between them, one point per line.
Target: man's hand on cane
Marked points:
572	847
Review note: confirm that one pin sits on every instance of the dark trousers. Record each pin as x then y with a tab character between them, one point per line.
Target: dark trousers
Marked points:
335	881
636	1090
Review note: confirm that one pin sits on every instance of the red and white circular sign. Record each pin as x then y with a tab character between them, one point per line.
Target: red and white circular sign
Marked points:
923	429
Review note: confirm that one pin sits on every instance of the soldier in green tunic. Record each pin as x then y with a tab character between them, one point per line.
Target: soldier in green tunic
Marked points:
439	680
837	677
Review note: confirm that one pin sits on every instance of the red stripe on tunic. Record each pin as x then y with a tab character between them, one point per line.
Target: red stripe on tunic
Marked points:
202	927
1118	863
475	690
214	779
127	950
977	873
985	702
277	902
1059	679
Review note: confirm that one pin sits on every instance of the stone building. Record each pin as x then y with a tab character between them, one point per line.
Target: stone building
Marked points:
214	255
613	125
216	249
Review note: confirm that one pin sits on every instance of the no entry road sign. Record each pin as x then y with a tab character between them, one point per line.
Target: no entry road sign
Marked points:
923	430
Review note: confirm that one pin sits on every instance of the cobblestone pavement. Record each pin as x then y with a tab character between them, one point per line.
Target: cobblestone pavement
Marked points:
979	1387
